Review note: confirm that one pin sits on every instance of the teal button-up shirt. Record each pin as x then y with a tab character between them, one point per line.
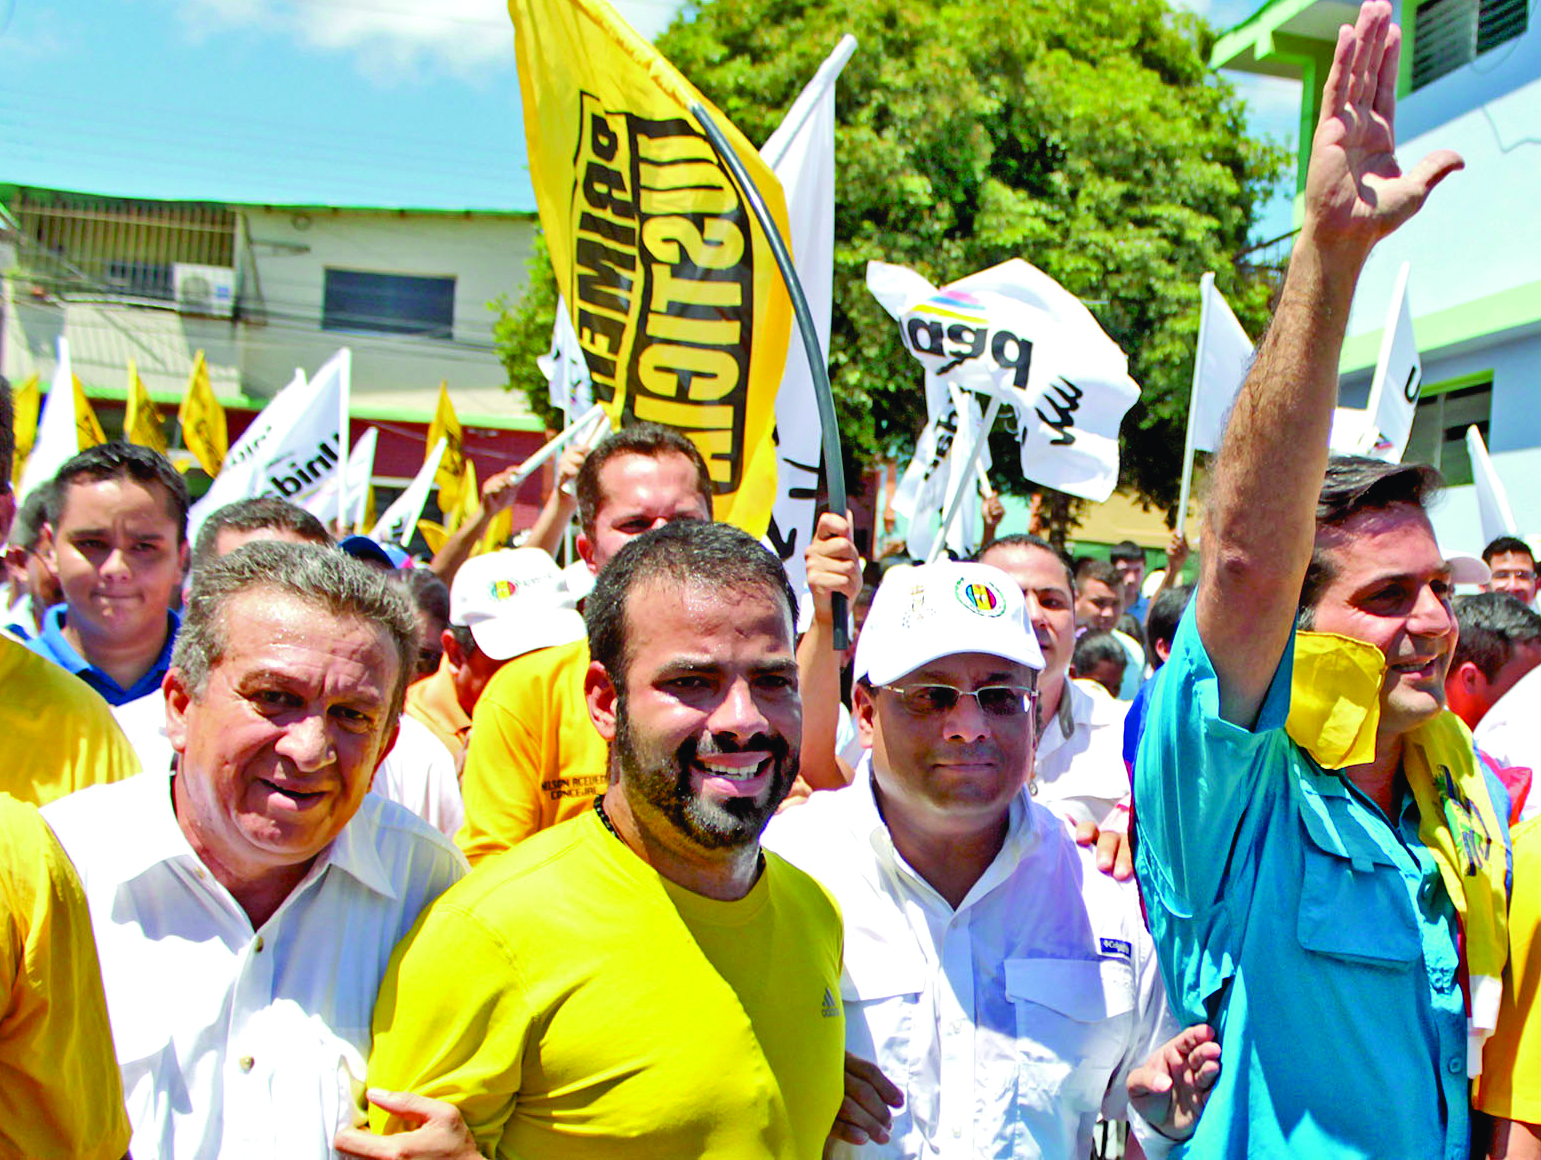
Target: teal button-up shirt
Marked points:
1314	934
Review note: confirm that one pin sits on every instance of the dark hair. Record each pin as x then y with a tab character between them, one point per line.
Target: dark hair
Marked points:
1127	550
428	592
1491	624
117	459
463	638
7	434
1354	484
1162	618
1028	540
646	439
30	517
1506	544
1095	647
1099	570
320	576
249	515
686	552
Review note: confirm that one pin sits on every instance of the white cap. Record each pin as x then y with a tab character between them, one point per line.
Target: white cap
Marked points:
514	601
931	611
1468	570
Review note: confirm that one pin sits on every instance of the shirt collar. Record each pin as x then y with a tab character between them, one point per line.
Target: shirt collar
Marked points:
51	636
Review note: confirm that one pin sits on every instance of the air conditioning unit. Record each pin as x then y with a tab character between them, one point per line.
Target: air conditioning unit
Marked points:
203	289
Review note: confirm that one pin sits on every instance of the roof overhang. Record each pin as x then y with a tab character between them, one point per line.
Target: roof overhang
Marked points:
1267	42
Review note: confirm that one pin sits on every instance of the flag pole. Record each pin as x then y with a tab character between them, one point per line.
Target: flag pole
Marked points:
1206	284
969	477
834	466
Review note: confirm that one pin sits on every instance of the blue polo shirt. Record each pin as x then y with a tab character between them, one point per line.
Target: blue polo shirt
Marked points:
50	643
1313	933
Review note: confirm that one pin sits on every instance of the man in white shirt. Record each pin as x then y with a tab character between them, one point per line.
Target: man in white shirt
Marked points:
245	906
1079	771
992	973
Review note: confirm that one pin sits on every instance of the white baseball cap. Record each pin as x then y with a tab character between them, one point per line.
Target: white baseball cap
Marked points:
514	601
931	611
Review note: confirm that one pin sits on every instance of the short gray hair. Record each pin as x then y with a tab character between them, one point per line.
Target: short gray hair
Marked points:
318	575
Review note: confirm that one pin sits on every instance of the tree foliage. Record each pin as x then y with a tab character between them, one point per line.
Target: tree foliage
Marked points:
1085	136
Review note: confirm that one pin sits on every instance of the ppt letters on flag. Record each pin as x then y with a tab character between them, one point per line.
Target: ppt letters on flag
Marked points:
675	296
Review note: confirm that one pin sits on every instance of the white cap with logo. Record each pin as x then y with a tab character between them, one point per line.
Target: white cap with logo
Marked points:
514	601
939	610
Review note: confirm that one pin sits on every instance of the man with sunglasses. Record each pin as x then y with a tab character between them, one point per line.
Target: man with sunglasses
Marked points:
1007	986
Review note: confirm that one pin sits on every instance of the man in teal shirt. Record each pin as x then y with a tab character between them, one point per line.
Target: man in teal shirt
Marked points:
1298	847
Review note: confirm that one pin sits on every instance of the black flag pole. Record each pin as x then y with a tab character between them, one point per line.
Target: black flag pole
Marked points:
834	466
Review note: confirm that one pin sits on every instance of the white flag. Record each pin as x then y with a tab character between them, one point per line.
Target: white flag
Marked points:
570	389
290	449
328	505
1492	500
1013	332
58	437
1224	354
934	473
399	522
1398	376
801	152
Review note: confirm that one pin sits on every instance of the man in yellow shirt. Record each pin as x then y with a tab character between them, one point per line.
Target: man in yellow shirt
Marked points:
644	981
60	1092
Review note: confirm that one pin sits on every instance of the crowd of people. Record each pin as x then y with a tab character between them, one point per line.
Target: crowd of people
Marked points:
310	852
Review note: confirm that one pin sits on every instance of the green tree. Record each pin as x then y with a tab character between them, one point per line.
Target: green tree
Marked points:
1086	136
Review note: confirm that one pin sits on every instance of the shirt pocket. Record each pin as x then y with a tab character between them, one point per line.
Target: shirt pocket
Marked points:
1354	904
1074	1019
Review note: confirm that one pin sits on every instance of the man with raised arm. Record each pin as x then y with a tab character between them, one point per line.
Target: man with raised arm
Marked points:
1319	858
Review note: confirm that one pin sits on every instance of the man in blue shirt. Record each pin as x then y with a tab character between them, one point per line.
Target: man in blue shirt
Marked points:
116	534
1298	847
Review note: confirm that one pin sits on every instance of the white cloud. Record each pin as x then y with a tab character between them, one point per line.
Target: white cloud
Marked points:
391	39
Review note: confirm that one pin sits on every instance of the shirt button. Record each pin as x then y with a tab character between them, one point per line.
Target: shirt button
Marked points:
957	1130
1455	1064
258	946
247	1062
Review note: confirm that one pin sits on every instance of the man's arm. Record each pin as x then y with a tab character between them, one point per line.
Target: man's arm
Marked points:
549	525
833	566
1261	521
1170	1089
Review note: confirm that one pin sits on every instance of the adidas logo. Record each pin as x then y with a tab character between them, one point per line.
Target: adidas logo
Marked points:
830	1007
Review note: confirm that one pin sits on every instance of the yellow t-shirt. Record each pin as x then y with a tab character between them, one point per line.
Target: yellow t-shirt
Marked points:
535	758
57	735
573	1003
60	1091
1511	1064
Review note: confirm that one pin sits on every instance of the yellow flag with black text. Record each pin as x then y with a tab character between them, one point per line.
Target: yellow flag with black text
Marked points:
142	422
203	420
26	400
88	432
452	463
680	310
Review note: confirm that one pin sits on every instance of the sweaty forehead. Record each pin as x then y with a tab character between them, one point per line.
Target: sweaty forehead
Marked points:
632	482
1033	568
1392	539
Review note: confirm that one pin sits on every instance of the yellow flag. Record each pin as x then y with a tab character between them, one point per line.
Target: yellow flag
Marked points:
675	295
88	432
142	422
499	531
434	534
468	499
203	420
452	463
27	399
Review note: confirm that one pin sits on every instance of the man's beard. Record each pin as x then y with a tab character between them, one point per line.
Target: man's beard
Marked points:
663	780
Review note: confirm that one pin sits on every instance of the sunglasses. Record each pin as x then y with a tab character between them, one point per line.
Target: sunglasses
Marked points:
993	700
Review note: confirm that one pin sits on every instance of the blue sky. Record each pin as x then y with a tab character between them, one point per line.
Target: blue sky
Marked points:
401	103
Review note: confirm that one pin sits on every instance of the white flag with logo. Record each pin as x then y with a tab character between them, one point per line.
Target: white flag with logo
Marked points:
570	389
399	523
58	437
328	504
1492	498
801	152
1013	332
1398	377
1223	358
290	449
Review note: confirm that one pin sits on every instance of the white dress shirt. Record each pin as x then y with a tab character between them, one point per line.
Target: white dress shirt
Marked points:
1010	1023
419	773
1510	735
1080	771
238	1043
143	721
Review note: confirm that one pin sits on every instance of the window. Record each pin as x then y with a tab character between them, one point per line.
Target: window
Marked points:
1450	33
360	300
1439	429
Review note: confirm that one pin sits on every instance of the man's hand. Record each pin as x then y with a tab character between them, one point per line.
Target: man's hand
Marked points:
864	1116
568	465
833	564
1177	552
440	1134
498	491
1355	192
1171	1088
1112	843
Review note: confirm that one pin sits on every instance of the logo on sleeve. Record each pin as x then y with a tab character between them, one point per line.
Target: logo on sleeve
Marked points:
1117	946
831	1006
